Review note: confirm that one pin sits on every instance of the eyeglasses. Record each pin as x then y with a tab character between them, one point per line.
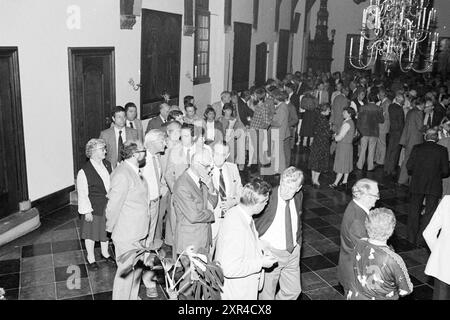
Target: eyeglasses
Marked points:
139	151
100	148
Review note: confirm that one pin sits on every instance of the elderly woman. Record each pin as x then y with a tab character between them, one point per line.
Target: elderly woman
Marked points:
379	273
92	186
238	249
437	236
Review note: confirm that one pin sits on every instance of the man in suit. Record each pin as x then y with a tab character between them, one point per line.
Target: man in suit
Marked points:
244	113
440	109
152	172
396	124
194	198
239	250
369	118
428	165
158	121
293	104
280	229
380	150
132	121
227	182
127	218
280	122
225	97
116	136
411	135
365	194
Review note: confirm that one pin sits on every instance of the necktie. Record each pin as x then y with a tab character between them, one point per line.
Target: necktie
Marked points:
120	147
222	193
288	225
430	120
131	125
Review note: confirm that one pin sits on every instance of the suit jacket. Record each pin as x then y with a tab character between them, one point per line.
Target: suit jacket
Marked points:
265	219
193	216
339	104
412	132
137	124
428	164
281	120
384	127
292	116
109	136
155	123
243	112
396	118
439	114
352	229
437	236
369	118
127	211
233	184
240	255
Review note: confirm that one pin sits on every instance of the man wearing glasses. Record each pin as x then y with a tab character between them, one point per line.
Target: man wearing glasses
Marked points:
194	198
365	195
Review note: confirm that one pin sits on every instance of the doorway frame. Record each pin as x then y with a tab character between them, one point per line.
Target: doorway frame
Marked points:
74	52
12	53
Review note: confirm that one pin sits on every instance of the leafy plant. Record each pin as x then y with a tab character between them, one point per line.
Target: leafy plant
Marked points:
206	276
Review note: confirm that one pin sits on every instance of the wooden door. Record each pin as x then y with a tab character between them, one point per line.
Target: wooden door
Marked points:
13	177
160	59
261	64
92	91
241	55
283	53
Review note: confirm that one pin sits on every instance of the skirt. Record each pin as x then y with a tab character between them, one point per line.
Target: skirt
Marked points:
94	230
343	162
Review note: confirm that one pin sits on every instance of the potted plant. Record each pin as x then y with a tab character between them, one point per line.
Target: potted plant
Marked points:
206	275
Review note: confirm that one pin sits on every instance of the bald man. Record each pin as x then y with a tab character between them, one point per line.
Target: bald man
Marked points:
158	121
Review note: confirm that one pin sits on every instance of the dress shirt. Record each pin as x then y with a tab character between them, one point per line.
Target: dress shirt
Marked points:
124	135
84	204
129	122
276	234
152	176
194	177
361	206
226	178
425	118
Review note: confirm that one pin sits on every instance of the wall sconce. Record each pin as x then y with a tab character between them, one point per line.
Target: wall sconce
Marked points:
189	76
134	85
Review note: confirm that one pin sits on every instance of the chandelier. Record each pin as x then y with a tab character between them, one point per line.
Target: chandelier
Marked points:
397	31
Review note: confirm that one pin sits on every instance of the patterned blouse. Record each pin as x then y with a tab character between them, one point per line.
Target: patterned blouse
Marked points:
379	273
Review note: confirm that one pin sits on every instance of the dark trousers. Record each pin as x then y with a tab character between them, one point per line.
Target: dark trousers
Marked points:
441	290
392	153
416	222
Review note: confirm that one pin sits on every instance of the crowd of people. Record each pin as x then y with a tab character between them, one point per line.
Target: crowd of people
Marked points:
178	181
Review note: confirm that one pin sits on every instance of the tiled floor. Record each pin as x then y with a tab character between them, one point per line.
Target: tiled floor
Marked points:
42	264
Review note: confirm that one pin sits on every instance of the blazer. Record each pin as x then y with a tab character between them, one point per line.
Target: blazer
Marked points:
193	216
127	211
439	243
281	120
137	124
265	219
243	112
439	114
233	184
155	123
352	229
384	127
396	118
109	136
369	118
239	253
412	131
428	165
292	116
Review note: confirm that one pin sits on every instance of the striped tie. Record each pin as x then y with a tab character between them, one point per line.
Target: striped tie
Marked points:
222	189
